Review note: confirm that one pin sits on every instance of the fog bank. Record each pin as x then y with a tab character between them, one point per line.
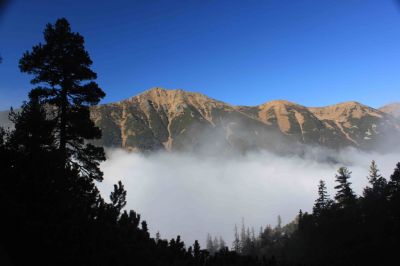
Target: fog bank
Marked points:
190	195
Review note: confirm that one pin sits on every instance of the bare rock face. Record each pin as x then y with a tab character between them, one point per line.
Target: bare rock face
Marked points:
180	120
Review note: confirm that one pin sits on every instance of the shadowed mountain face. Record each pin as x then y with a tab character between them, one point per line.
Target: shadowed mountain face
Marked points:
160	119
180	120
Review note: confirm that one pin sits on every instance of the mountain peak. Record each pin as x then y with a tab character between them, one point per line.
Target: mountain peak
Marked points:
158	92
279	103
175	99
344	109
342	105
349	104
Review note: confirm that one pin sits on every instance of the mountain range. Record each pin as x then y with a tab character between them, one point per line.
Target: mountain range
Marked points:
180	120
160	119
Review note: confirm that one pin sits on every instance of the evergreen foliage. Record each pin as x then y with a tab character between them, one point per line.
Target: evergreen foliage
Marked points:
61	69
345	195
323	202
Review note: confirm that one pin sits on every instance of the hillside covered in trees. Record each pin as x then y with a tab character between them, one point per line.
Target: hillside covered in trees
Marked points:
53	213
344	230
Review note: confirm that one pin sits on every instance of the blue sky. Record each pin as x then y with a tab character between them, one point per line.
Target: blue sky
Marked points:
243	52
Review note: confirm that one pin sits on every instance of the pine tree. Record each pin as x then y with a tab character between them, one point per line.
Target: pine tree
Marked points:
190	251
374	175
236	241
345	195
118	196
216	245
196	250
394	183
323	202
377	181
394	196
243	238
210	244
279	223
33	131
253	235
61	69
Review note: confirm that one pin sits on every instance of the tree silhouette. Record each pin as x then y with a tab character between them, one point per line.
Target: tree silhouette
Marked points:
61	69
394	202
196	250
323	202
345	195
377	181
33	131
236	241
118	196
394	183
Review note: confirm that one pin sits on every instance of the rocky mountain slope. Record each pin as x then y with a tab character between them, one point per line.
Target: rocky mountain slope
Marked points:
181	120
160	119
393	109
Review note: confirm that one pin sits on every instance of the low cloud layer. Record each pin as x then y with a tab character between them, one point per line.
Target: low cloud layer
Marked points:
189	195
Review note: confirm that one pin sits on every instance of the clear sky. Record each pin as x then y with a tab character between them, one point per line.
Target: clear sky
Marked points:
243	52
